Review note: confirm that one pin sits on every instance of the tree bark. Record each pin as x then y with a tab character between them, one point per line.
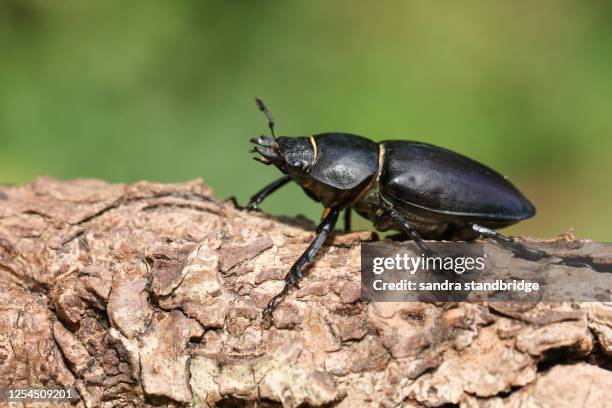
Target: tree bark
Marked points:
151	294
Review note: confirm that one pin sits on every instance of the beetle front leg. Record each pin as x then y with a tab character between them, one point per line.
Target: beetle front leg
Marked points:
411	232
324	230
266	191
519	249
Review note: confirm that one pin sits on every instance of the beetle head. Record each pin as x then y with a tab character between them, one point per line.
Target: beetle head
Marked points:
293	155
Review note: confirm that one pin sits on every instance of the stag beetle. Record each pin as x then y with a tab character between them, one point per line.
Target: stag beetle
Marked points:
424	191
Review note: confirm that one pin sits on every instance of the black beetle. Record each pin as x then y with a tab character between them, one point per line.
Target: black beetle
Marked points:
422	190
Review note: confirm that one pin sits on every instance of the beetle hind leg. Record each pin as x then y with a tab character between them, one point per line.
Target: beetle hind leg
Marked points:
519	249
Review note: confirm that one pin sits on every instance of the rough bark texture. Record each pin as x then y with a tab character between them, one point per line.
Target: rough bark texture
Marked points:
151	294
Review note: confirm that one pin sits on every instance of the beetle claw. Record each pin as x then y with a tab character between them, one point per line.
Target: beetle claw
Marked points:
268	155
262	160
252	206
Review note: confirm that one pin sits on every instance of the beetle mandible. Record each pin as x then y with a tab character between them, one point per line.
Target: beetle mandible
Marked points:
424	191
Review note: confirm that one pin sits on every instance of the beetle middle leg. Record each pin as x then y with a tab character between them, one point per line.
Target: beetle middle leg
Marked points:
266	191
324	230
410	231
347	219
519	249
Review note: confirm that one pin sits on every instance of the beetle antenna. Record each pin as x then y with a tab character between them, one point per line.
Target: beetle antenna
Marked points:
266	112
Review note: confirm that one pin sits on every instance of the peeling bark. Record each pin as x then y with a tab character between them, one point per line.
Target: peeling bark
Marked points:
151	294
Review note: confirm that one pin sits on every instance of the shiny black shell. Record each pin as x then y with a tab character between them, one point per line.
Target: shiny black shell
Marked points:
345	165
344	161
431	179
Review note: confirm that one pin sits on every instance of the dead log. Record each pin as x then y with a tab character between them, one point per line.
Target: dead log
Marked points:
150	294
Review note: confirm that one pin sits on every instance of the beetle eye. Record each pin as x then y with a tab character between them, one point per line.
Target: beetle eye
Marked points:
301	164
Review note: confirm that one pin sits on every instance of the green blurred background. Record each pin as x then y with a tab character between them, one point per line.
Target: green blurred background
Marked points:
163	90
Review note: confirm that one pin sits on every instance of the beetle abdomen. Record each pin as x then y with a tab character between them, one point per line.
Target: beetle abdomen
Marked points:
434	179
